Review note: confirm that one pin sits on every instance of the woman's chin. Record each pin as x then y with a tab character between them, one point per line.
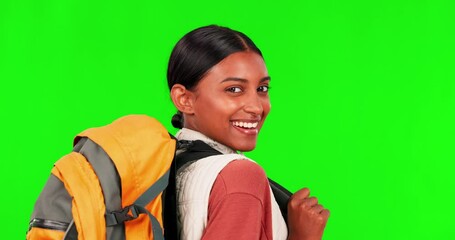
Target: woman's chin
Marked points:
245	147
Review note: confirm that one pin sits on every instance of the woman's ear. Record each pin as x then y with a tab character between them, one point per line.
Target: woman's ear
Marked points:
182	98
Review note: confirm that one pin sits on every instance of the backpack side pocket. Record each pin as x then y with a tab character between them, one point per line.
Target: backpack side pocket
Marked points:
52	212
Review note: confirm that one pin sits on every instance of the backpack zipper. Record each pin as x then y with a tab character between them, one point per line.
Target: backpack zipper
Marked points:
48	224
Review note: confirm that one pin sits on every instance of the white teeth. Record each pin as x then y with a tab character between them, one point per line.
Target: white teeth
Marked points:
245	124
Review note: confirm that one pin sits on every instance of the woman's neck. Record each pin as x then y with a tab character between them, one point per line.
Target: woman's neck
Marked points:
191	135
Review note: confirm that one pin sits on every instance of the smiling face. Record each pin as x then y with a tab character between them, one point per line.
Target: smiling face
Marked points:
231	102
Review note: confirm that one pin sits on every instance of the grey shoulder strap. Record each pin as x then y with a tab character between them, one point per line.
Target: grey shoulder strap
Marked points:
109	180
111	186
133	211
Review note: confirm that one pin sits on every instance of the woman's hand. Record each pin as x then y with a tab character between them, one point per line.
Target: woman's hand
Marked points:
306	218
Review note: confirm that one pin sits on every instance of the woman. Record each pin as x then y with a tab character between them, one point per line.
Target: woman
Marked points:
219	83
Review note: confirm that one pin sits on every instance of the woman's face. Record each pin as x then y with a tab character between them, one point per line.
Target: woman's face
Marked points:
231	102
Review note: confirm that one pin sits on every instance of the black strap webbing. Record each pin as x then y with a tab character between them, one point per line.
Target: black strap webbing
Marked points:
193	151
71	232
282	196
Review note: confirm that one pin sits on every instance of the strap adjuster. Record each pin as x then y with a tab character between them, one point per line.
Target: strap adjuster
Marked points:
126	214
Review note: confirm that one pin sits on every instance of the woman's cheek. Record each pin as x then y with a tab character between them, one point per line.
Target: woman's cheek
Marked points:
267	106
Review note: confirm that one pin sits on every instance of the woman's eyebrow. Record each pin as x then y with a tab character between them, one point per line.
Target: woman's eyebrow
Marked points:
268	78
243	80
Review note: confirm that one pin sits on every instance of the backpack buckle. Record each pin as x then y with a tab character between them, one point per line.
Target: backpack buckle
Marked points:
184	144
118	217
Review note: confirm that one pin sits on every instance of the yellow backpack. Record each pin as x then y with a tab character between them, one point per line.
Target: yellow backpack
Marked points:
110	186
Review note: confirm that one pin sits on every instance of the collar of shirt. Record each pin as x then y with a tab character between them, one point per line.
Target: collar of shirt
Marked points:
191	135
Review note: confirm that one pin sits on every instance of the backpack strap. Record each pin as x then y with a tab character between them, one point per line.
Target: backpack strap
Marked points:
198	149
282	196
147	197
81	182
169	213
193	151
110	183
109	180
132	212
71	232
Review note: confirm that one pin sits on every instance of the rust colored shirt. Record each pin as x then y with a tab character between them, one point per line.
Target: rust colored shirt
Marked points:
239	204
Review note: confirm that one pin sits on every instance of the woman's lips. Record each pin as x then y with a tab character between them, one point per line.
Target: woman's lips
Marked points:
246	127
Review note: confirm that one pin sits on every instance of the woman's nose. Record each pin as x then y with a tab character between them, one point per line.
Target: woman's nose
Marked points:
253	105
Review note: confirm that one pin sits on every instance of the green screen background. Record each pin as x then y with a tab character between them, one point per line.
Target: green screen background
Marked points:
362	98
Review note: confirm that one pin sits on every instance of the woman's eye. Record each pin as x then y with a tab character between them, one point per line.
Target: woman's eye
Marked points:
263	88
234	89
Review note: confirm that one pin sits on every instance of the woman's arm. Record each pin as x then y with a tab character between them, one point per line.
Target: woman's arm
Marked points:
240	204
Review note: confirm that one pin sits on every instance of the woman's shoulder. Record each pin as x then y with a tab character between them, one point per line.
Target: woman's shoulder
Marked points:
243	176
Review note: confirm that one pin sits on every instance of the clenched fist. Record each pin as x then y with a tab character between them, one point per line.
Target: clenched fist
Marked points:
306	218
